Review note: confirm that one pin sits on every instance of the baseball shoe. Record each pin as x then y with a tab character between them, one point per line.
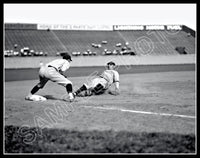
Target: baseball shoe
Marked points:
28	97
74	94
71	97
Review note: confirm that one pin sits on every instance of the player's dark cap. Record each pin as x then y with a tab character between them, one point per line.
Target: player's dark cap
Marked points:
67	56
111	63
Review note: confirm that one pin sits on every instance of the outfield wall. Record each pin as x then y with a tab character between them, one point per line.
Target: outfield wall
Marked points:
90	61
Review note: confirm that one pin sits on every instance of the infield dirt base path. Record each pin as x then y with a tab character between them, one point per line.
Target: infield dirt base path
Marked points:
159	93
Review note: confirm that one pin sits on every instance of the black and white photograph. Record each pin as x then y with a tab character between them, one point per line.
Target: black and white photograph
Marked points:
99	78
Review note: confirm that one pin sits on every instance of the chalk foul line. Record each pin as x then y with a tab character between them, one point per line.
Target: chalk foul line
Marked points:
139	112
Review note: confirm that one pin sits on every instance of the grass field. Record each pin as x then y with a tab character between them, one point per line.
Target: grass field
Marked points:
155	113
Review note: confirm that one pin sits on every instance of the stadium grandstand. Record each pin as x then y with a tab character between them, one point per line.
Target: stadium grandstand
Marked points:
39	40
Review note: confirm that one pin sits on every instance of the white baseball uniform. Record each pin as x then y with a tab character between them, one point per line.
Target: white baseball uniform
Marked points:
105	79
53	71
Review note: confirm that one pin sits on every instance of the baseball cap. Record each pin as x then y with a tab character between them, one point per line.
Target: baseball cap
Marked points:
111	63
67	56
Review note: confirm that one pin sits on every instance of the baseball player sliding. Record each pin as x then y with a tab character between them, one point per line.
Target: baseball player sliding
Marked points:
54	71
101	83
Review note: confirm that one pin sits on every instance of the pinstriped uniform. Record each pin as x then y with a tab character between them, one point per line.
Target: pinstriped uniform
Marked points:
53	71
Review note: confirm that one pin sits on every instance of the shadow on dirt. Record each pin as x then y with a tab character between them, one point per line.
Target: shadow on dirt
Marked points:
51	97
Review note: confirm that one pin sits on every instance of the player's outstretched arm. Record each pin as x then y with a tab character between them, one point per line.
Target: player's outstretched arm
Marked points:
117	88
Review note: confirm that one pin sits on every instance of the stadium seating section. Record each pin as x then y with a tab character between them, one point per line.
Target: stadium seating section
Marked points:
52	42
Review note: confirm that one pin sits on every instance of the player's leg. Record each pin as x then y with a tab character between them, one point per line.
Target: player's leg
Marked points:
61	80
99	86
40	85
69	89
81	89
98	89
86	86
36	88
96	86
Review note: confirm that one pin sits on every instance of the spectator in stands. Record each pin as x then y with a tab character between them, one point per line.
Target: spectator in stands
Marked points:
118	45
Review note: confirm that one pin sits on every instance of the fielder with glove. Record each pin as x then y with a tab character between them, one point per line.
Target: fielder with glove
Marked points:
54	71
100	84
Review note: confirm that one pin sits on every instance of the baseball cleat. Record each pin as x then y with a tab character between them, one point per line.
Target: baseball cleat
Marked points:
28	97
74	94
71	97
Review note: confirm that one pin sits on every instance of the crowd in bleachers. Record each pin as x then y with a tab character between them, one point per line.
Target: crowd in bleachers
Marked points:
93	43
23	52
119	49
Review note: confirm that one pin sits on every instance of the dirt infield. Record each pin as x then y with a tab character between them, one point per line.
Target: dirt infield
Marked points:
157	108
149	102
